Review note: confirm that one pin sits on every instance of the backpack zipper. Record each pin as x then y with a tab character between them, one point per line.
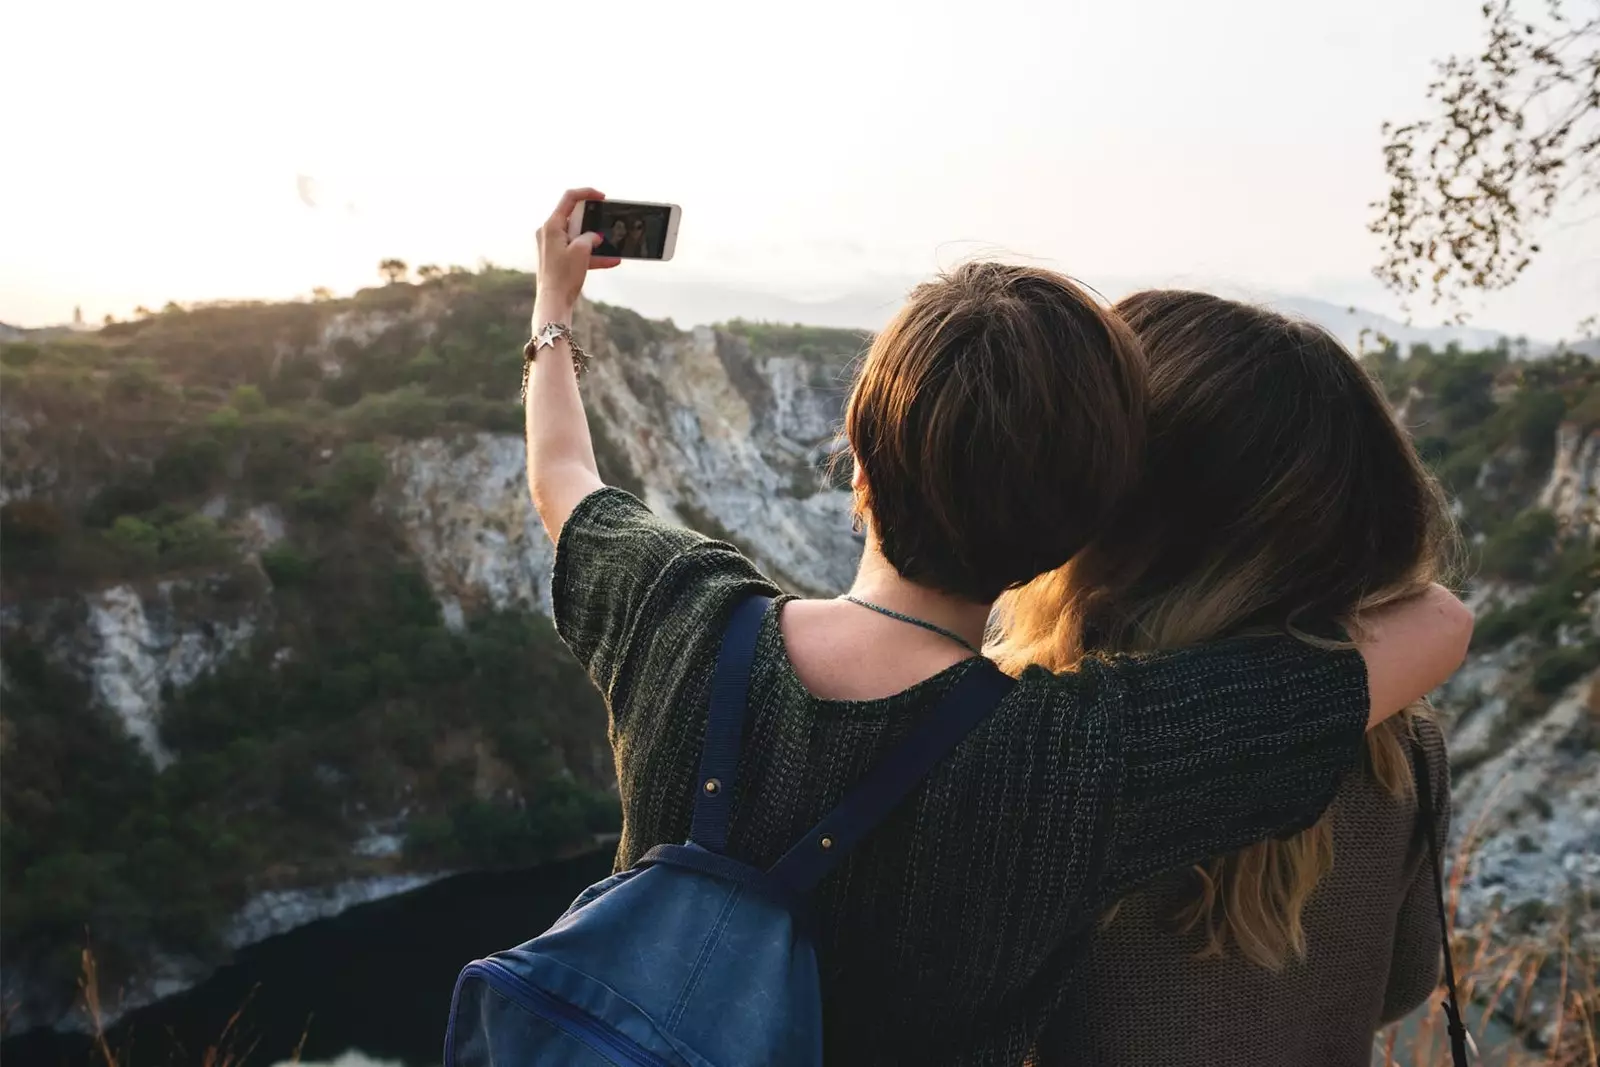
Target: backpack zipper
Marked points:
619	1048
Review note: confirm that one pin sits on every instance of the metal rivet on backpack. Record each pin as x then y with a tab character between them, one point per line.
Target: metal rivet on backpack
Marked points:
826	842
712	787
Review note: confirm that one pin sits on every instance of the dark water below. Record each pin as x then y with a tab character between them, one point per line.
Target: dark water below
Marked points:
368	987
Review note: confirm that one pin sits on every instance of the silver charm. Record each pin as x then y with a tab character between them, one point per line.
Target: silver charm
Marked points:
551	332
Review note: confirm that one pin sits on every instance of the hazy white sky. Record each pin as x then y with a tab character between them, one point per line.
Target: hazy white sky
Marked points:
152	148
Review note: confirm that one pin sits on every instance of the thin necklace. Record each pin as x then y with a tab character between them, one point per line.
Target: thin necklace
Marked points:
913	620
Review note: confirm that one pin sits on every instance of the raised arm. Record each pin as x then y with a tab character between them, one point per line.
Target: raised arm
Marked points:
1411	648
561	466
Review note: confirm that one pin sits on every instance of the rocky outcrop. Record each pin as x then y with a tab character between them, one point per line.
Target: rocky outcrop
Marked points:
1476	700
141	645
731	444
464	506
1572	492
1534	808
707	434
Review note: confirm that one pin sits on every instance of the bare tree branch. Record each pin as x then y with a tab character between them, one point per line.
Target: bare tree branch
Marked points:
1514	135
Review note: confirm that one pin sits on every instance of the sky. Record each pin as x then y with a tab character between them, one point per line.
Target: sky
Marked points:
192	151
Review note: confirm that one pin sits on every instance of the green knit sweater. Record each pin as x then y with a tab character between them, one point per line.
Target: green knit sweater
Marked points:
951	933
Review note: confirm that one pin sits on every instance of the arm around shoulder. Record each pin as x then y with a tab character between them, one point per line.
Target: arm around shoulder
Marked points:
1411	648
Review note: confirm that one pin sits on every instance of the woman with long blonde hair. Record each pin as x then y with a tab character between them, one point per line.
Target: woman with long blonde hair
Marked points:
1279	495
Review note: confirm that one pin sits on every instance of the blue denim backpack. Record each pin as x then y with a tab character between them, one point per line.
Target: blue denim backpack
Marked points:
693	958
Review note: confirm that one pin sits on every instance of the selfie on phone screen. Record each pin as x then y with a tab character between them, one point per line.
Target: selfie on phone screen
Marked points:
629	230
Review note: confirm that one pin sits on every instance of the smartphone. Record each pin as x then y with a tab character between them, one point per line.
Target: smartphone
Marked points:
631	229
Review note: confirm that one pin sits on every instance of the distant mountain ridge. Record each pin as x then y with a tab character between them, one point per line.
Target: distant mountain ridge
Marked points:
869	307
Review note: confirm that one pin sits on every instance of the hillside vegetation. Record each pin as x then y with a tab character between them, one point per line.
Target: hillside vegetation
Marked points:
140	455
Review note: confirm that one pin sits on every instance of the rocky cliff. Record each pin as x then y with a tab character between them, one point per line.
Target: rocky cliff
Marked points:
276	604
319	514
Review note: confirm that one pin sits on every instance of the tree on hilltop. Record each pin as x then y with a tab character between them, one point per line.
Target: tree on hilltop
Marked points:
393	270
1513	138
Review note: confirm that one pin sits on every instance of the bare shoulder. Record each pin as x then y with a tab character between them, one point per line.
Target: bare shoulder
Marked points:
842	653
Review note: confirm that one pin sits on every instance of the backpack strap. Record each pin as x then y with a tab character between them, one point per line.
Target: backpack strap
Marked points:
871	799
719	758
1429	829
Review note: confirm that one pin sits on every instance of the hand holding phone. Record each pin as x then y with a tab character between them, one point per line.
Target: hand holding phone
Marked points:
628	229
565	261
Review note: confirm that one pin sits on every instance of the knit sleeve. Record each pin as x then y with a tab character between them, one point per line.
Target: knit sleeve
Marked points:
1217	746
1414	964
630	589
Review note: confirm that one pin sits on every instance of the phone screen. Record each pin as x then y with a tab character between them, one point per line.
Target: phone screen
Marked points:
632	231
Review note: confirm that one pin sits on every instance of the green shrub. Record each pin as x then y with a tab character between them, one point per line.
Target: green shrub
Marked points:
193	539
1459	472
278	450
357	471
225	420
831	347
405	412
19	354
342	391
1534	417
424	365
247	400
1560	667
349	481
135	538
191	464
1570	578
1517	551
558	814
131	497
286	566
136	380
1496	627
1586	409
483	413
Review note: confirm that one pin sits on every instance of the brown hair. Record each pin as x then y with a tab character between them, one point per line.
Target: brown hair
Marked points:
1278	488
998	422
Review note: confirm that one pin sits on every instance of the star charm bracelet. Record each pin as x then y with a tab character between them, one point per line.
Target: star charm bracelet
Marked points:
547	336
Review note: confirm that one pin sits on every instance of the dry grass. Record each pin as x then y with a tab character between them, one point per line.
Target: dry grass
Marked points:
1504	979
228	1050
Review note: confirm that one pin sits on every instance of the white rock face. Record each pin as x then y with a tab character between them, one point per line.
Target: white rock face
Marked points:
718	440
716	433
137	647
261	527
465	508
1488	596
1573	491
1537	806
27	472
280	910
1475	700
